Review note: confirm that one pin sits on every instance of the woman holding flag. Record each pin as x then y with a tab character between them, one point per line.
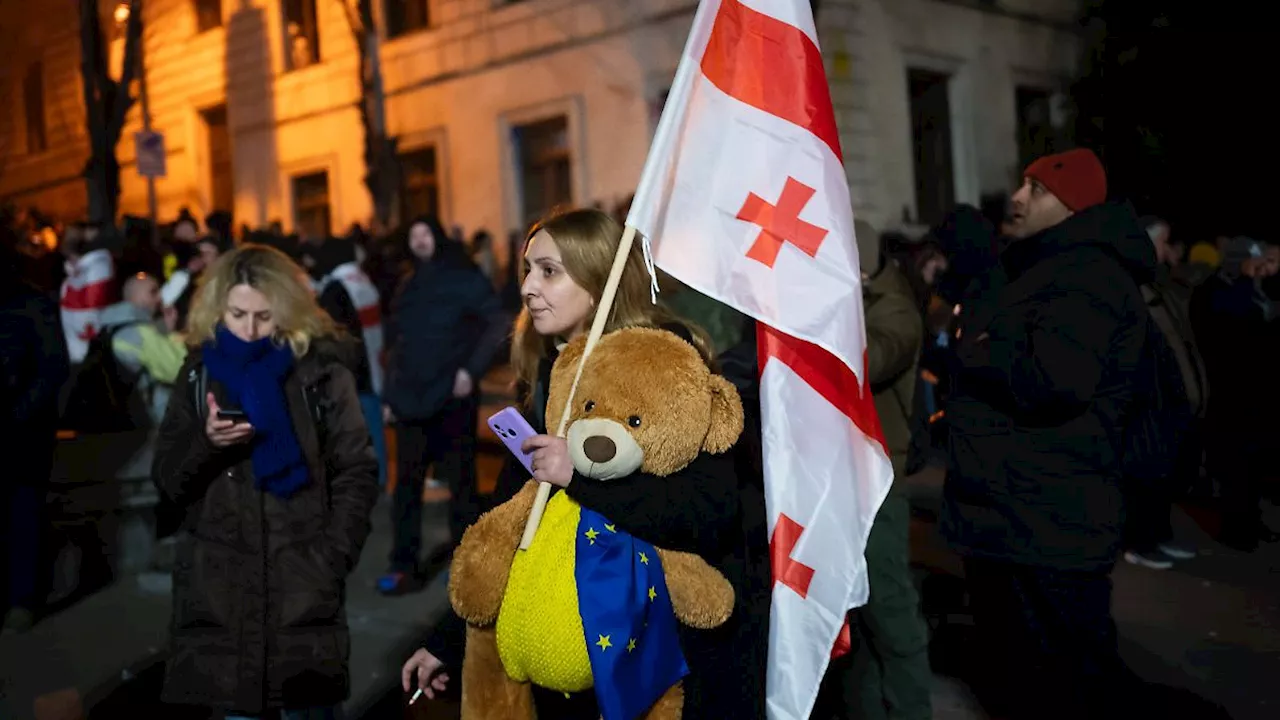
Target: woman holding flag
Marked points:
567	261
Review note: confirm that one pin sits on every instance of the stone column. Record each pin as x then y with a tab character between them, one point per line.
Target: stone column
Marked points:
841	34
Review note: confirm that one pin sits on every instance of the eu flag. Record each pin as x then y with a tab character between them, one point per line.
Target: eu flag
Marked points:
627	617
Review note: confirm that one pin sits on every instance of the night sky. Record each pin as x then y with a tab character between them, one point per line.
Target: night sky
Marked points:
1190	115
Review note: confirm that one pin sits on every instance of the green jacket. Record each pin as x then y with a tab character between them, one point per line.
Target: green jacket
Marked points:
895	333
722	323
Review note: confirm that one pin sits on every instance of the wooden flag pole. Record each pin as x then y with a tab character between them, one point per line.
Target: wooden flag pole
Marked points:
593	337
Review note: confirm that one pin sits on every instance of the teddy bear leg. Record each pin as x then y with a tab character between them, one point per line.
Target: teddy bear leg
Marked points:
487	692
670	706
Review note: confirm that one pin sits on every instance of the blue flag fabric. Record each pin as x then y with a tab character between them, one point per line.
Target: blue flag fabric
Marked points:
627	617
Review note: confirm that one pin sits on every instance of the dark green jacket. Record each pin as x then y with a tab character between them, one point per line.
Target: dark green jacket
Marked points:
895	333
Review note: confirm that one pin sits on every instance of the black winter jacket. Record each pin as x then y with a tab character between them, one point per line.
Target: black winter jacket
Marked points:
1042	394
259	582
33	369
445	317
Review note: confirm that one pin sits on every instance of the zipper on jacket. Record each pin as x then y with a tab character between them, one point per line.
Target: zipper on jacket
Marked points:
310	395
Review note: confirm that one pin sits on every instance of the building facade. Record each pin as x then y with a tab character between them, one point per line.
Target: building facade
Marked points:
505	108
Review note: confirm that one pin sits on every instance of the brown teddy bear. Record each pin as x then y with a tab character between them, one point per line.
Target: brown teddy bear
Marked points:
646	401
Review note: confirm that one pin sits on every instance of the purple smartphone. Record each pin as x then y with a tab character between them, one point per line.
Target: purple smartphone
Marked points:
512	429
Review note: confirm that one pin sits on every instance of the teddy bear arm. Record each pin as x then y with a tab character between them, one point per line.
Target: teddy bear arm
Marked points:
701	597
482	562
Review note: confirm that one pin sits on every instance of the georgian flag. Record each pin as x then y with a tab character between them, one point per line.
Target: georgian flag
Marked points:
744	198
88	290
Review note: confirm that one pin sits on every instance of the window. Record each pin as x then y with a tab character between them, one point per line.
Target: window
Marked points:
208	15
301	33
311	205
221	176
542	151
33	104
406	16
420	184
931	138
1036	133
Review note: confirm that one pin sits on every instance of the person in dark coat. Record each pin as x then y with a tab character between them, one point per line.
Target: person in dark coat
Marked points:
713	508
33	368
887	673
339	281
274	505
1148	529
445	326
1032	499
321	259
1231	316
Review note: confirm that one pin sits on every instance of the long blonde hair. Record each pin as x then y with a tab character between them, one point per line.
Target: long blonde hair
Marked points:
299	319
588	241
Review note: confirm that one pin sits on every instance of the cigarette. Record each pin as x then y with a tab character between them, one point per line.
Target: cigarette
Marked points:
415	697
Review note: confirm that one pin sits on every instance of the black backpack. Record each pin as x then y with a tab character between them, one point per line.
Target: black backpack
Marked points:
102	392
1160	414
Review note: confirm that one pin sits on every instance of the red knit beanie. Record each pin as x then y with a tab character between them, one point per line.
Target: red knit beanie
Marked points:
1076	177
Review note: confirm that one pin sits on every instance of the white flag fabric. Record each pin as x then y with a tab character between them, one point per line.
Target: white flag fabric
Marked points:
745	199
88	290
368	303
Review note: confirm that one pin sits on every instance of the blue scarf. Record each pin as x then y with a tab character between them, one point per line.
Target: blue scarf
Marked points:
253	375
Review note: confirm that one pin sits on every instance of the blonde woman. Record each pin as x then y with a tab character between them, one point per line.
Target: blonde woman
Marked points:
265	455
707	508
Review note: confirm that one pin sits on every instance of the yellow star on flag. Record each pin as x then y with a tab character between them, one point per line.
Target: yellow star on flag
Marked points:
644	558
631	645
604	642
611	528
653	593
592	534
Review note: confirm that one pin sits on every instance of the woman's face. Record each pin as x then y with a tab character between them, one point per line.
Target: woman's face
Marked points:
422	242
558	306
933	268
208	253
248	315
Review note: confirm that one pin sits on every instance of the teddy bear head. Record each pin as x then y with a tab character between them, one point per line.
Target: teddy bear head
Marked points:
645	401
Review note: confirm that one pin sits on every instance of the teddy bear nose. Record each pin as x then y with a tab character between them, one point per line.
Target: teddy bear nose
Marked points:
599	449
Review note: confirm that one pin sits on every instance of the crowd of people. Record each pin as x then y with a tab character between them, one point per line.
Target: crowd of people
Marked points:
1073	366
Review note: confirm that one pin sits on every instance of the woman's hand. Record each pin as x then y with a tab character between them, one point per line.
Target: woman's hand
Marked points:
428	672
224	433
551	463
388	417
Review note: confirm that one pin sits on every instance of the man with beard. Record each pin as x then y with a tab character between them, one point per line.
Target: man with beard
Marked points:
1043	388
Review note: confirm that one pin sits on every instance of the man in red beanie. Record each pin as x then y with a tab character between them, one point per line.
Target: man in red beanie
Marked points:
1056	187
1047	363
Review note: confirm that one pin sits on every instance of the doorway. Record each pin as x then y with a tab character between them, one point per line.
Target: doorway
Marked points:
931	138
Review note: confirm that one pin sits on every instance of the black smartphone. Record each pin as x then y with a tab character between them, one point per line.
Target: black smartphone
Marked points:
232	414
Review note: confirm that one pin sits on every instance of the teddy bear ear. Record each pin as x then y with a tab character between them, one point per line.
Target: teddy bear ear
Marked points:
726	416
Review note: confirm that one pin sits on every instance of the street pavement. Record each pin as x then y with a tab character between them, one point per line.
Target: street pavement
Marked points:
1210	625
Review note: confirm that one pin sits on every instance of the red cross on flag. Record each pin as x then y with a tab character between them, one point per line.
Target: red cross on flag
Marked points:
744	197
88	290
